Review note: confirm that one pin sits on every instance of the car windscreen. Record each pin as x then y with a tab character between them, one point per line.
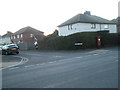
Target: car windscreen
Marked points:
12	46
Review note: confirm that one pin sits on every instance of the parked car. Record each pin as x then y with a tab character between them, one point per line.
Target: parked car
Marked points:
1	47
10	49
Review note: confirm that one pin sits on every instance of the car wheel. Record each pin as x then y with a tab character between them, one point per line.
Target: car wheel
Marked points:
17	52
3	52
6	53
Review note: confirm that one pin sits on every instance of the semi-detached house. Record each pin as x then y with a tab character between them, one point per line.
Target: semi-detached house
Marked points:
26	37
86	23
5	39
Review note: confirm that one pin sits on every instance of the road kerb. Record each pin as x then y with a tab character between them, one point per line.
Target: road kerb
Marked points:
13	64
98	51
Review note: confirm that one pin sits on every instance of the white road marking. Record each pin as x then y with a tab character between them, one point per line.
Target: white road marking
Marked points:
29	66
116	60
13	68
78	57
57	56
37	64
54	61
23	60
33	55
50	62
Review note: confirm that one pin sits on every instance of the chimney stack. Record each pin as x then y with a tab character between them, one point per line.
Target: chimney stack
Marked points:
9	32
87	13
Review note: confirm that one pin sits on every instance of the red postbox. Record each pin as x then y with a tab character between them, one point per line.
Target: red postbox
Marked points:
98	41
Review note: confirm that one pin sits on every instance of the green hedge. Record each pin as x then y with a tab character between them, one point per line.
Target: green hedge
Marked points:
87	38
110	39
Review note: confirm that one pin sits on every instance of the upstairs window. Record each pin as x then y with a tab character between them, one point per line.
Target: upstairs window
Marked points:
21	35
70	27
106	26
31	35
17	36
11	37
93	26
14	37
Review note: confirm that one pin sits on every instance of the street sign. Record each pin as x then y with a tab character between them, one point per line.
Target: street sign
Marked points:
78	44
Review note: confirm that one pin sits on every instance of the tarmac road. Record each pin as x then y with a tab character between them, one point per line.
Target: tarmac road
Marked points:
64	69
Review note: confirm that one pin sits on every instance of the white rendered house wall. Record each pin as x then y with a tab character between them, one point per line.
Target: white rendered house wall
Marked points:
85	27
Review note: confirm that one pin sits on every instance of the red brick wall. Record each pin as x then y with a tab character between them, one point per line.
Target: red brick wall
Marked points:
26	38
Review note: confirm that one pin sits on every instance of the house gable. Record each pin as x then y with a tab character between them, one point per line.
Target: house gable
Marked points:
6	38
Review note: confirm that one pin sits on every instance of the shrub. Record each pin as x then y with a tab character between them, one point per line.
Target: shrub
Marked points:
88	39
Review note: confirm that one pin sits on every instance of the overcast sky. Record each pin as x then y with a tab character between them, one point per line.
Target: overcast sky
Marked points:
46	15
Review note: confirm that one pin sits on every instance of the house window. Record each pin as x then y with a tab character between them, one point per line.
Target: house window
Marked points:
106	26
14	37
11	37
17	36
93	26
31	35
70	27
21	35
